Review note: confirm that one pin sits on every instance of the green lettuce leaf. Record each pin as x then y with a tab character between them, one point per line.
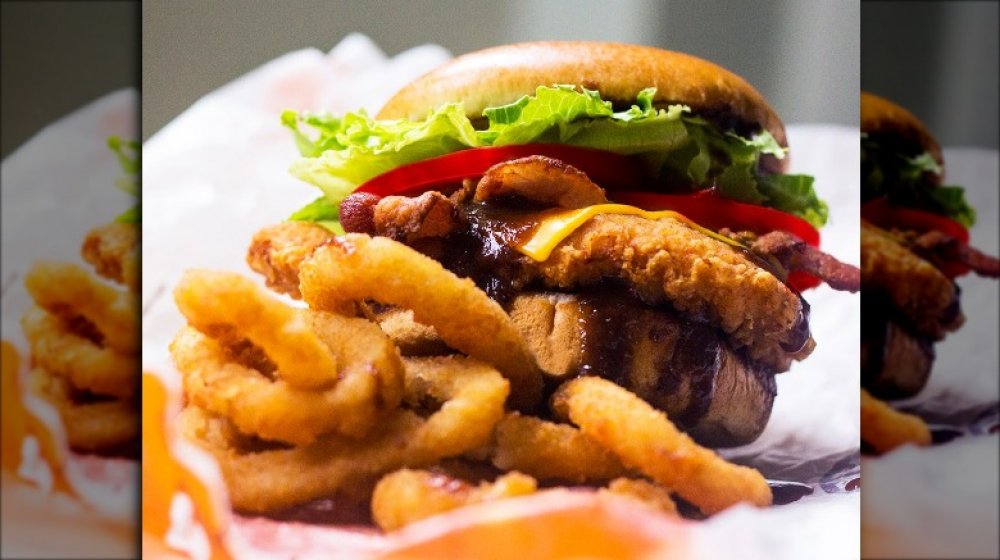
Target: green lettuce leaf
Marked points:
910	181
951	202
130	216
352	149
129	154
341	153
320	211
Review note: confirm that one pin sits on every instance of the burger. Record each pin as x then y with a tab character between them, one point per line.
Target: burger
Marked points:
629	207
914	243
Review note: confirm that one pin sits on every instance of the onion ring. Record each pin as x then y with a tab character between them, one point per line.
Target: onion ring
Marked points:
550	451
262	479
112	250
405	496
90	426
885	428
274	410
82	362
351	354
644	438
62	288
218	302
648	493
357	267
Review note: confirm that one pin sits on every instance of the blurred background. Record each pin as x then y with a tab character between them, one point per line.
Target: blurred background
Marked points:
58	56
802	55
939	60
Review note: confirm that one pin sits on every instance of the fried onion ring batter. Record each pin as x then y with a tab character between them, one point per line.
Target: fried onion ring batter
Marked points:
64	288
217	302
885	428
90	426
405	496
645	439
550	451
112	250
263	478
648	493
275	410
83	362
357	267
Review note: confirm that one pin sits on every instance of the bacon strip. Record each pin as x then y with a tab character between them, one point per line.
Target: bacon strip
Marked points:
795	254
940	248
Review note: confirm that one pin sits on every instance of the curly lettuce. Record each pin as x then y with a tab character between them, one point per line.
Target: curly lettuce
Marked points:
129	154
910	181
341	153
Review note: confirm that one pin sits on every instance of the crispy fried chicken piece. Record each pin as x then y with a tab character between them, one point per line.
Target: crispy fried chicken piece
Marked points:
667	262
795	254
541	179
277	252
916	289
112	250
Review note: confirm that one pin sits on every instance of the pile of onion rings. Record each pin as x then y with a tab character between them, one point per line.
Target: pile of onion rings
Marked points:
83	337
345	397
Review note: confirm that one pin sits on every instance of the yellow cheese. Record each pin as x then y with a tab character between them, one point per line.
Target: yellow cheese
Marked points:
557	227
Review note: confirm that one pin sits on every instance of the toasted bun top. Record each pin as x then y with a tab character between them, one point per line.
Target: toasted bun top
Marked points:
883	118
502	75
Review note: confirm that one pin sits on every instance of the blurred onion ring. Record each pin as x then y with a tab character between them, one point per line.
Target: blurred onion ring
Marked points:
550	451
90	426
113	251
643	438
85	364
644	491
885	428
405	496
222	303
356	267
262	479
67	290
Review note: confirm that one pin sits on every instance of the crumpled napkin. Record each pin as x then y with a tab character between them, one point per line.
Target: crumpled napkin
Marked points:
218	173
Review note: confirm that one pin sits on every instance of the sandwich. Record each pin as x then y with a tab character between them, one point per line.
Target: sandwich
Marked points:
539	286
629	207
914	243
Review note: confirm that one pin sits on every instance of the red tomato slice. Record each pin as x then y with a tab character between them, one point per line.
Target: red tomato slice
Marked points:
709	209
620	175
883	214
715	212
610	170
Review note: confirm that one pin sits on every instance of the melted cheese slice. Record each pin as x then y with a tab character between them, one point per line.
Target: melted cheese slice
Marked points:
555	228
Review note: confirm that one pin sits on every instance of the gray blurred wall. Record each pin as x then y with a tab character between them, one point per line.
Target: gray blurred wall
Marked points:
802	55
58	56
939	60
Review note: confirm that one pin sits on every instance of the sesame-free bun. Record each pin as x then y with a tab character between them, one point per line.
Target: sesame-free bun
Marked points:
884	120
501	75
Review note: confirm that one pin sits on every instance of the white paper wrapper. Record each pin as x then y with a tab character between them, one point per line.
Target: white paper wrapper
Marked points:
56	187
218	173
